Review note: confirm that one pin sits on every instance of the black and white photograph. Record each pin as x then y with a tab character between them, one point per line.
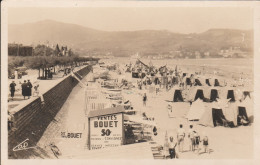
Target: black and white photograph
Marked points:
130	81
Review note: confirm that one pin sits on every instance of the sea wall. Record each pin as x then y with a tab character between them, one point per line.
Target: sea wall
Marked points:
31	120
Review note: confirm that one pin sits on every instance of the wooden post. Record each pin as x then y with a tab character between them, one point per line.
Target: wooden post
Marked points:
88	133
123	130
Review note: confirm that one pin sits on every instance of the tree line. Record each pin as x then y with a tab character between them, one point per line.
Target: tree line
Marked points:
41	63
45	58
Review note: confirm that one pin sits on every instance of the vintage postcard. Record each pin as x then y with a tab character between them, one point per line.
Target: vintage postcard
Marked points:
126	81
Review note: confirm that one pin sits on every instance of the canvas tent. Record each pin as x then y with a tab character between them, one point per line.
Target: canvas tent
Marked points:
195	92
230	111
199	95
196	111
217	116
248	104
208	82
226	113
242	111
216	83
220	112
202	80
234	109
231	95
234	94
177	96
212	117
246	94
213	95
197	82
238	94
206	118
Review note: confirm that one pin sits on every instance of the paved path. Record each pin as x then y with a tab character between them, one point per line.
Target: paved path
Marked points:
44	86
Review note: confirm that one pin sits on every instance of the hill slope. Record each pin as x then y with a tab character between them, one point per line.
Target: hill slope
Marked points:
123	43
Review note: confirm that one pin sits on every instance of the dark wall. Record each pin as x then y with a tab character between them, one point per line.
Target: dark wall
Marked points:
32	120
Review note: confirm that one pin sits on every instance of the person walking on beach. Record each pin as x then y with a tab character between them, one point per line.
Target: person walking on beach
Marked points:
172	146
12	89
191	137
144	99
196	141
180	137
29	89
205	142
24	89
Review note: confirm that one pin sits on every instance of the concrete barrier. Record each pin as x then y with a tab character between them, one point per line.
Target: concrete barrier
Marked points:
32	119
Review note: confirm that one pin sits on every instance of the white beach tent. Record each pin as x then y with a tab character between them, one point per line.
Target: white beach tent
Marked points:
197	91
207	118
212	93
229	92
238	93
177	94
231	112
221	81
211	81
213	111
202	79
197	109
223	92
249	105
229	109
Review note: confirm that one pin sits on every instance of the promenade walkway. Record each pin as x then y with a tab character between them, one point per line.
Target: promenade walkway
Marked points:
44	86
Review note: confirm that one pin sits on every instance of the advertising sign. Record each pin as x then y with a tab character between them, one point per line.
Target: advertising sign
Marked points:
106	131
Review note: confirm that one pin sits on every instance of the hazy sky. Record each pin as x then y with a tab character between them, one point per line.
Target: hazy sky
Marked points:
182	20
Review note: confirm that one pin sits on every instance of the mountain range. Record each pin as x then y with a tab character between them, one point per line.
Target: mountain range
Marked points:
88	41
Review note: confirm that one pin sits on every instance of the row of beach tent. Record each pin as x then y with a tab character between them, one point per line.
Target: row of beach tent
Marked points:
209	114
211	106
210	94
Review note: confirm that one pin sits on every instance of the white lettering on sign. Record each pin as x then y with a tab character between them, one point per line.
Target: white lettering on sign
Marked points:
106	131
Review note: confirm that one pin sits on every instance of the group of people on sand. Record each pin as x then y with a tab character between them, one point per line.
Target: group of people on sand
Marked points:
168	81
194	140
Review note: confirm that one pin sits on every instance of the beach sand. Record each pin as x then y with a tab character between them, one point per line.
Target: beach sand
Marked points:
225	143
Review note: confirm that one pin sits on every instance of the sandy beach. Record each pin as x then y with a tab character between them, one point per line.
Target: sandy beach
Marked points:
224	143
